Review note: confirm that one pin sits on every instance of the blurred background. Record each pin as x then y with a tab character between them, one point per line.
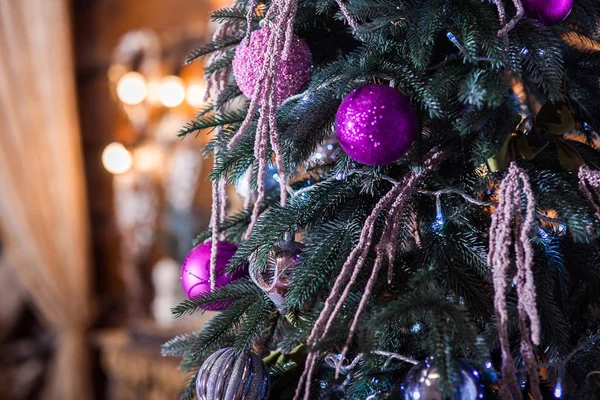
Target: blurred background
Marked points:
99	200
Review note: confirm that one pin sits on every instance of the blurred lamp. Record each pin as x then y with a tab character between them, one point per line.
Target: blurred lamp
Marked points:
153	96
171	91
131	88
147	158
195	94
116	158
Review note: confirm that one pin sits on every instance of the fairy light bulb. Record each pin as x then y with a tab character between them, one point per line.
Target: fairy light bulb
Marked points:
558	391
116	158
171	92
195	94
131	88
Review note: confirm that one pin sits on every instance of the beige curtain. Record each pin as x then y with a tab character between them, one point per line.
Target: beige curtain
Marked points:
42	199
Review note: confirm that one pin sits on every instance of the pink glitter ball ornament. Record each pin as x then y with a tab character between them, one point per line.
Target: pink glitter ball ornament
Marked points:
550	12
195	271
376	124
293	74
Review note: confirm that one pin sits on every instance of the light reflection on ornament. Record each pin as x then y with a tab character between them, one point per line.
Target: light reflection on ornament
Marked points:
131	88
171	91
424	381
116	158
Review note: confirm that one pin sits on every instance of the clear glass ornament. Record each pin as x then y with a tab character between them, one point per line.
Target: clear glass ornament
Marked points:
424	382
275	277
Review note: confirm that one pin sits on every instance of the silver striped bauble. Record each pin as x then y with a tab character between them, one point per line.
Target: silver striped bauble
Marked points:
229	375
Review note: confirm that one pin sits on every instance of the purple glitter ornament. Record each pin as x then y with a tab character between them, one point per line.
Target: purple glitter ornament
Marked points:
293	74
550	12
376	124
195	271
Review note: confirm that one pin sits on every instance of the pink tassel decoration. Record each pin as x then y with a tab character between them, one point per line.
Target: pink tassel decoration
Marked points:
217	81
590	179
346	13
508	221
507	27
280	17
395	199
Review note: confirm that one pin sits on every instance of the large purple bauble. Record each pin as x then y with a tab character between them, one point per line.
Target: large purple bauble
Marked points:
293	74
375	124
195	271
550	12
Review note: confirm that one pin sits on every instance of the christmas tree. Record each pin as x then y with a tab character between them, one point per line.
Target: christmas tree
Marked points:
422	208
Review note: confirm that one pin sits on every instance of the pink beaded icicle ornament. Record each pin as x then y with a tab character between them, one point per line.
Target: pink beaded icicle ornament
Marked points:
510	221
392	203
277	46
293	73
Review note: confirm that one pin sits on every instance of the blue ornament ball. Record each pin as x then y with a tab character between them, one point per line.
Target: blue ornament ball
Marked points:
424	382
227	374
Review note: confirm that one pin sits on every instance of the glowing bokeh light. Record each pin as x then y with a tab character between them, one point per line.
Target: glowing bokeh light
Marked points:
131	88
195	94
116	158
171	92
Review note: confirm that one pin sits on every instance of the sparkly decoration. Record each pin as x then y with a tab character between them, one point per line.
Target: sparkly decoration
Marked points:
391	205
278	61
376	124
510	25
216	82
325	153
510	231
195	271
550	12
228	375
276	277
589	185
244	186
423	382
293	73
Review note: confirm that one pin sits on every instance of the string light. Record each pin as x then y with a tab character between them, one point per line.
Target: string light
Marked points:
171	92
439	216
131	88
116	158
558	392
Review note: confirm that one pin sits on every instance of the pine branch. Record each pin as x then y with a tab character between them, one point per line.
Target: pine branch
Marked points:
221	296
215	45
189	391
211	121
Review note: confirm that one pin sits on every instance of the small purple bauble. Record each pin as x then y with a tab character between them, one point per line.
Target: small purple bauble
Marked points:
550	12
293	74
375	124
195	271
